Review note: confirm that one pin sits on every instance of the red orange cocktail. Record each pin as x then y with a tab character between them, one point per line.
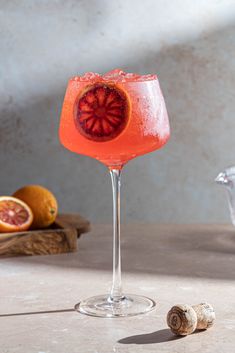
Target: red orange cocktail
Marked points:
114	118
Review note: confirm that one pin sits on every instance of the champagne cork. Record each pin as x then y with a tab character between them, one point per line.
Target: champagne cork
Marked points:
182	319
205	315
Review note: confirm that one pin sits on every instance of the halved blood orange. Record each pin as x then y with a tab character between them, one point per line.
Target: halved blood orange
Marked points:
15	215
101	112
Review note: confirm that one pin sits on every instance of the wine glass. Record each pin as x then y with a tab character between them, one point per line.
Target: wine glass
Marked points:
114	118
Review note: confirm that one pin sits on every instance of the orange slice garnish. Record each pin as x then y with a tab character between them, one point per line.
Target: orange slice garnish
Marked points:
102	112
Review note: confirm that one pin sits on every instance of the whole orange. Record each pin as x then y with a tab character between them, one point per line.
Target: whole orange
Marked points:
42	203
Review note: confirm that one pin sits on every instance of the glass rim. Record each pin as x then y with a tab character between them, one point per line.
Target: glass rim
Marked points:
113	82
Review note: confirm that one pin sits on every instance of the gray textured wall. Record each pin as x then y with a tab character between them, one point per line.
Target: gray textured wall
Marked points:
190	44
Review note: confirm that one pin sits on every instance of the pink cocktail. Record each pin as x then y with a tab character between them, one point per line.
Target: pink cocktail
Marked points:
114	118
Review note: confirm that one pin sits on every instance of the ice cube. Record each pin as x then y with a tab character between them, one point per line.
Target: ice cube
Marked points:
76	78
114	73
148	77
90	76
131	76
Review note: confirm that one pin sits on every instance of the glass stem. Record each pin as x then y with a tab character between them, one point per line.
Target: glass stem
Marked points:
116	290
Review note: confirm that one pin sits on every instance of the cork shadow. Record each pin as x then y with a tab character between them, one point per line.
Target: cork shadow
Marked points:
159	336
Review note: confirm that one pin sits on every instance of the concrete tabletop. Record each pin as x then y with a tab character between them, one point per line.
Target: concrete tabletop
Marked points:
169	263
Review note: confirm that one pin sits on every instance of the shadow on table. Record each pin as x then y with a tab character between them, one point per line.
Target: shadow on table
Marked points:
202	251
160	336
38	312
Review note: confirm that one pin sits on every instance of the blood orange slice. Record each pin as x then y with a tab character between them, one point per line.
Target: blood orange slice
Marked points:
15	215
101	112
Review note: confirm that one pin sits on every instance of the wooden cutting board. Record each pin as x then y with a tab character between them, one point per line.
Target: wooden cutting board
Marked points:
61	237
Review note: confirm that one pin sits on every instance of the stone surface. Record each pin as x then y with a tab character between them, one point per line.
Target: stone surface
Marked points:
189	44
170	264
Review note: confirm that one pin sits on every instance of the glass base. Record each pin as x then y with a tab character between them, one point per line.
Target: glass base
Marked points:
105	306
